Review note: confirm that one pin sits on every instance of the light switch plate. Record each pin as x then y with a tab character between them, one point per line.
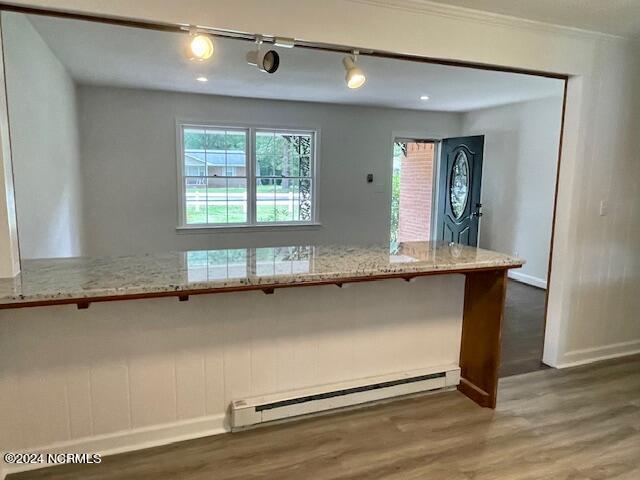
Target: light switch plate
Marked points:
604	208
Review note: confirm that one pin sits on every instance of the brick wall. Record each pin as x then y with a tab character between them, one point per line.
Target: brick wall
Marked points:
416	184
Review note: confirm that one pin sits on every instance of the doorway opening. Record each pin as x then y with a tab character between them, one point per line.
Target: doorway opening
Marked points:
412	195
491	186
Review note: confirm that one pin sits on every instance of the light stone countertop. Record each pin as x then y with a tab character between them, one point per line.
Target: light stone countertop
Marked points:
60	280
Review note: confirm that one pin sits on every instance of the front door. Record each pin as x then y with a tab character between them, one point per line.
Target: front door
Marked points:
459	190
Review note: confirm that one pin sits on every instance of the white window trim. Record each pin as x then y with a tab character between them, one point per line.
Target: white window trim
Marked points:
251	223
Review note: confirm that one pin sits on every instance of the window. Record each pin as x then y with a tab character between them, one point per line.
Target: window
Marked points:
214	192
246	176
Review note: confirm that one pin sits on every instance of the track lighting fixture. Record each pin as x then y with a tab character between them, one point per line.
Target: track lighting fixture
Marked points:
355	77
200	47
267	61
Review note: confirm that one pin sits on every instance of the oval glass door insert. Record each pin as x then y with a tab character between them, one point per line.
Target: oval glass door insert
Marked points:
459	190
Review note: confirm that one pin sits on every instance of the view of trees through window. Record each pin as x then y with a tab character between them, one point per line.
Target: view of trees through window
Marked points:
283	176
216	176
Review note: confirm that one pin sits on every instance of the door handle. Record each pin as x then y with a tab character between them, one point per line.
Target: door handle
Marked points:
477	213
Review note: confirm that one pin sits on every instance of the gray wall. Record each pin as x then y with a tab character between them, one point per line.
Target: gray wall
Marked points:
128	142
44	141
518	180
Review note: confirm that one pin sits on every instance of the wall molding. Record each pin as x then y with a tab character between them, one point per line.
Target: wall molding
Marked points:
590	355
462	13
129	440
528	279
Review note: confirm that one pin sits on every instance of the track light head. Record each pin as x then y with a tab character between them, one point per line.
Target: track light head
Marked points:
200	47
355	77
267	61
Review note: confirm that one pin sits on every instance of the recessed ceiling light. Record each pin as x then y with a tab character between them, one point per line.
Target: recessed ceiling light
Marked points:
202	79
424	97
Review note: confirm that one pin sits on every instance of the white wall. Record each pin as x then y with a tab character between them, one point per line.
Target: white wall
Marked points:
603	311
518	179
129	160
44	141
125	374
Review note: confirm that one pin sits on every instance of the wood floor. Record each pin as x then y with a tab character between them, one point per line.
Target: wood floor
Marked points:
522	330
576	424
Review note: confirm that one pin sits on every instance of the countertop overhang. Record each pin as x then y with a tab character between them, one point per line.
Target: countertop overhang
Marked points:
84	280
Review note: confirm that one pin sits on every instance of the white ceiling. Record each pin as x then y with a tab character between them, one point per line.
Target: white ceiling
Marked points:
101	54
616	17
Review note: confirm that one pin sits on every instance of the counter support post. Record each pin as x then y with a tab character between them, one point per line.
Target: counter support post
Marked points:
484	297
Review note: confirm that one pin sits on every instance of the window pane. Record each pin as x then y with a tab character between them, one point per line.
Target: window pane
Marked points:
194	152
303	166
216	200
236	153
265	199
265	143
236	163
285	200
285	157
215	152
215	163
215	140
196	200
237	200
194	138
296	154
304	200
265	154
236	141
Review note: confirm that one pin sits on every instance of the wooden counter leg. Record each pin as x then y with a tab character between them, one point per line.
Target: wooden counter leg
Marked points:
484	295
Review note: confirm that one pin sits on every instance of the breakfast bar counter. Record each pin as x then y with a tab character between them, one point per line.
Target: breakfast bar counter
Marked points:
83	281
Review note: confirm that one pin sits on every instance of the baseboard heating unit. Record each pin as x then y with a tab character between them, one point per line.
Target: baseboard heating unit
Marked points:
253	411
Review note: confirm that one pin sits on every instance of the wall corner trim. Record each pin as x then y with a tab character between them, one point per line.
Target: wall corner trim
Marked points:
528	279
606	352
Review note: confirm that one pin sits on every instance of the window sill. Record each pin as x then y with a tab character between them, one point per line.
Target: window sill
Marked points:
247	228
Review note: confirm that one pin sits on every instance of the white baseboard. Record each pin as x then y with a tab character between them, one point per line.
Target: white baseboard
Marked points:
528	279
129	440
596	354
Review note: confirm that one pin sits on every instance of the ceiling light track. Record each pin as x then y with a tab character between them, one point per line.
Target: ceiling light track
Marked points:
283	42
